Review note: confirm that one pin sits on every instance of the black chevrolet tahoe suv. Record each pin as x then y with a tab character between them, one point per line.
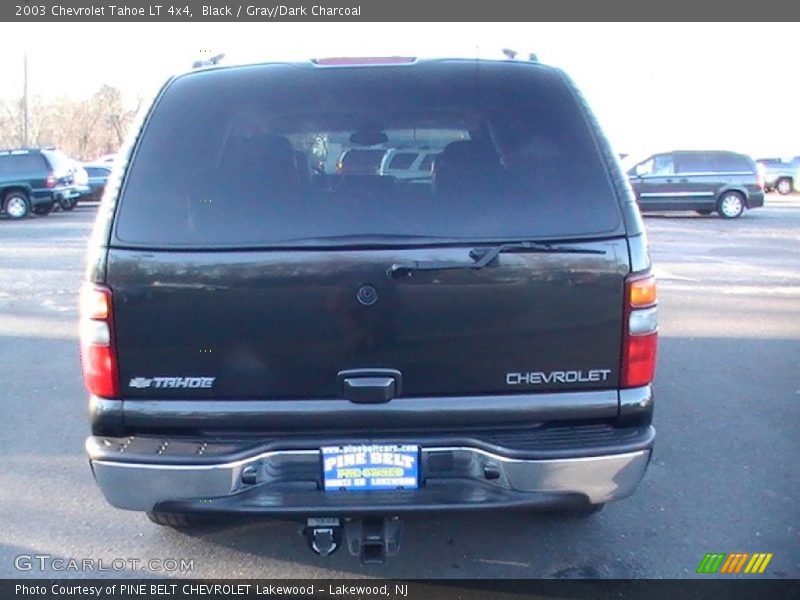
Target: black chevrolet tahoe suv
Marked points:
35	180
260	338
705	181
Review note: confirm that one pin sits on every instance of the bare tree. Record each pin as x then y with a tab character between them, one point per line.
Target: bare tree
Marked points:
83	129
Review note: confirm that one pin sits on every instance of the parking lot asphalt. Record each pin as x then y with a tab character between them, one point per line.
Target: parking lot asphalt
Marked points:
724	477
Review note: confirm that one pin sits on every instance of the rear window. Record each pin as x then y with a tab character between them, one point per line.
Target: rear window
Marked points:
286	154
360	162
21	164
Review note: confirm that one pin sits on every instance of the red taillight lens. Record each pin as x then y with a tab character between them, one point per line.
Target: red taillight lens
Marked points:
50	182
640	339
99	370
639	360
98	358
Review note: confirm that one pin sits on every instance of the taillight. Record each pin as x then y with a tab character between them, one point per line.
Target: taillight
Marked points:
640	339
50	182
98	358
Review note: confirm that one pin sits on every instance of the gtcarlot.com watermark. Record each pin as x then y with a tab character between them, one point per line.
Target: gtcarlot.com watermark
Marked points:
45	563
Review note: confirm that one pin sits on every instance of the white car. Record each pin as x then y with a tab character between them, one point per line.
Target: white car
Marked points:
409	163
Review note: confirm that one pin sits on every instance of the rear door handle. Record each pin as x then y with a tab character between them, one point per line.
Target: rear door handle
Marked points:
369	390
369	386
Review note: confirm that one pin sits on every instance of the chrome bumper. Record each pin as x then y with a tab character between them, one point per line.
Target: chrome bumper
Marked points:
455	477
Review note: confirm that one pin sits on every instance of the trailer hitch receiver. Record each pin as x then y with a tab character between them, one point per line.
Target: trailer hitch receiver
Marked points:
373	539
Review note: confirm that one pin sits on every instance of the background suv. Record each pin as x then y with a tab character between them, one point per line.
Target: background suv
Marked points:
704	181
34	180
779	174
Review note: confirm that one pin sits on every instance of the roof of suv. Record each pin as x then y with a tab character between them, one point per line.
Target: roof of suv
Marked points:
366	63
703	152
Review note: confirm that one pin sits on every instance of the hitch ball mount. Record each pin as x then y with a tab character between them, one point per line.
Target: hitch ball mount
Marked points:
372	539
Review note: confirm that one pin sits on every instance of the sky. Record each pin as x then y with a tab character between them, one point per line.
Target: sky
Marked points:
653	86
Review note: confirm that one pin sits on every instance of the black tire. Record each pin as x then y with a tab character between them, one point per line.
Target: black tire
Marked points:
16	204
730	205
784	186
705	213
67	204
176	520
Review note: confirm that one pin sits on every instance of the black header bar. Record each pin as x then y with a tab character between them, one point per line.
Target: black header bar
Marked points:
395	10
379	589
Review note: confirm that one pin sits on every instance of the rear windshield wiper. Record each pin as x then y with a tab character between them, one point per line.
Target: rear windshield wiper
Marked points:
482	257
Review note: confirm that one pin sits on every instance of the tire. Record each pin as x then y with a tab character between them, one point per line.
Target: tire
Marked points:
43	209
16	205
784	186
175	520
67	204
705	212
730	205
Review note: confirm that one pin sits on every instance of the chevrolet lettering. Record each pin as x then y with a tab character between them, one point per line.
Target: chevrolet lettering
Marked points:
538	377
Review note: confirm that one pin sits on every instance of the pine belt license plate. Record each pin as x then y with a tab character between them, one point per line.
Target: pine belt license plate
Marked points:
370	467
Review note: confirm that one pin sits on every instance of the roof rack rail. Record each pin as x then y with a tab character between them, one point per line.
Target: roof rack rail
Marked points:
208	62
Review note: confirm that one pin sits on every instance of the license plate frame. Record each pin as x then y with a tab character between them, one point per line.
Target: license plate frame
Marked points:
370	467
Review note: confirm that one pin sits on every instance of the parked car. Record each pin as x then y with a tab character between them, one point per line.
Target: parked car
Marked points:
413	164
255	343
98	177
779	174
34	180
704	181
81	183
